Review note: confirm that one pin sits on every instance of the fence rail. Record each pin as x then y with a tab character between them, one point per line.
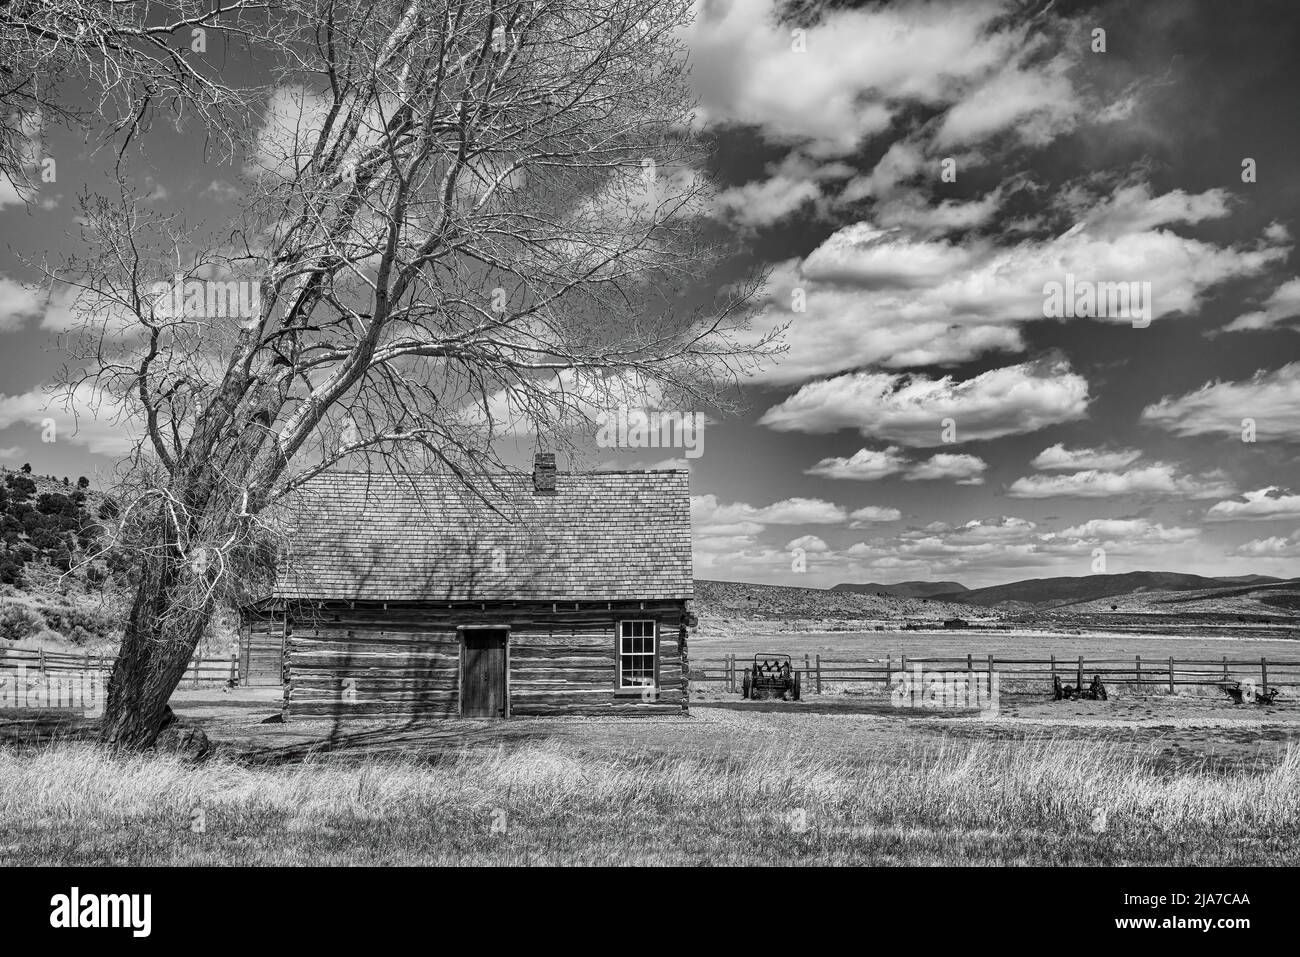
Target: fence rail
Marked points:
201	672
1167	673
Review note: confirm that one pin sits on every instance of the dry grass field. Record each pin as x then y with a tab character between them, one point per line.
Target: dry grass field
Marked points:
830	780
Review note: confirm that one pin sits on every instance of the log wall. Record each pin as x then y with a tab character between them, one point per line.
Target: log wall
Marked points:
403	661
262	648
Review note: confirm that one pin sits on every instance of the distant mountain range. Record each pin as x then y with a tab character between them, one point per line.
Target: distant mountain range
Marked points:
719	602
1062	590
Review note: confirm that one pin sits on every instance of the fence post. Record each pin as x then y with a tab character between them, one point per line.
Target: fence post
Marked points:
889	660
729	671
1137	667
819	674
1263	673
41	666
1171	674
1078	676
1053	669
1225	667
195	663
234	667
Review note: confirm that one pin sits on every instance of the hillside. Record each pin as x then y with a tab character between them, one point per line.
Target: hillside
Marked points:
51	594
1267	599
906	589
45	520
1070	590
720	605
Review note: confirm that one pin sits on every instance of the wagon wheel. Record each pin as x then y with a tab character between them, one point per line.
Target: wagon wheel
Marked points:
745	684
797	684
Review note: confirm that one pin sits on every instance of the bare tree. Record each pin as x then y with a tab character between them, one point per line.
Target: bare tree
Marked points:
110	64
462	217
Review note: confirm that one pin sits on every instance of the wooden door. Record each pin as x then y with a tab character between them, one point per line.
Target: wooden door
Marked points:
483	673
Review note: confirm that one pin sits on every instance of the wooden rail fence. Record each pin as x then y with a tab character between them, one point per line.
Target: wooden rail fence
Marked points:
201	673
1167	674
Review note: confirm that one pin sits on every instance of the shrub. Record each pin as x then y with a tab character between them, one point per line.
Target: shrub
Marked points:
18	622
47	637
51	503
77	625
21	487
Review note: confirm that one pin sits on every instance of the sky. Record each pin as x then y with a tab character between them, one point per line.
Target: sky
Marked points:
928	184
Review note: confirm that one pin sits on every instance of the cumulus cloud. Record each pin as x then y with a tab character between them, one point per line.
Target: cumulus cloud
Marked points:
1275	546
1156	479
19	303
965	469
726	535
944	550
708	512
809	543
1133	208
867	254
1283	304
90	419
867	465
904	296
222	191
915	212
789	186
910	409
872	515
864	465
764	202
1128	532
1007	528
862	68
1038	102
1270	399
1260	505
1058	458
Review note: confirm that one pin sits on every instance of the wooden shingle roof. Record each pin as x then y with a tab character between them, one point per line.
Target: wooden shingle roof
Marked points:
598	536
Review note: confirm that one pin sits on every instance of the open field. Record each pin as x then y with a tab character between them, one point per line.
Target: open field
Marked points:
1020	643
1167	780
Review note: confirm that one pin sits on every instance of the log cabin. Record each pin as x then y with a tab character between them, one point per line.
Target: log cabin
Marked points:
555	593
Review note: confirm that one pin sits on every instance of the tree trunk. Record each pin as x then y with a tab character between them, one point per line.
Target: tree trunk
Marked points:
157	645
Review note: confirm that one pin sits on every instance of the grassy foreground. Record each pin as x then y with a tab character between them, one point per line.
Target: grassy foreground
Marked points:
992	802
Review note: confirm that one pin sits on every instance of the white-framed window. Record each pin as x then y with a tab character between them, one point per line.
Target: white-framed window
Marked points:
637	651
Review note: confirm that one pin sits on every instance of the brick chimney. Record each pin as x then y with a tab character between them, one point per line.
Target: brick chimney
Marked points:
544	472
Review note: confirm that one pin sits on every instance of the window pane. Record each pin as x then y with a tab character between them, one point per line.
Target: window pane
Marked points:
636	653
